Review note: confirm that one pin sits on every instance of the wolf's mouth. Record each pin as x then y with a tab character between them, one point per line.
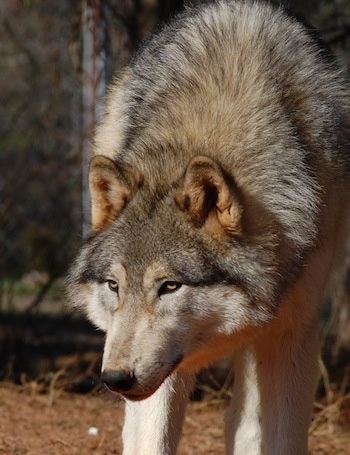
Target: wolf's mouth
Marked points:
139	395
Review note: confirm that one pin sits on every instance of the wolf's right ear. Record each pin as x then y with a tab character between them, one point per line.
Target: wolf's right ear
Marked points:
211	201
109	190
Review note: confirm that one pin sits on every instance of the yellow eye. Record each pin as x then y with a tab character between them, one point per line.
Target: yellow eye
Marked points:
113	285
168	287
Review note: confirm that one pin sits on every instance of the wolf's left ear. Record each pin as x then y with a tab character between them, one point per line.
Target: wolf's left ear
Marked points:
208	197
109	190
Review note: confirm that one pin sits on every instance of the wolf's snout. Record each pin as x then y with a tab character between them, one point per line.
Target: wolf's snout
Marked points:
118	380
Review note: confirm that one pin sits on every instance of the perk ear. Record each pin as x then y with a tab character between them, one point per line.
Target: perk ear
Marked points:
208	197
109	191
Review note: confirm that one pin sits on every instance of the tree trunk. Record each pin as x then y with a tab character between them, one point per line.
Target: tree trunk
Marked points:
94	87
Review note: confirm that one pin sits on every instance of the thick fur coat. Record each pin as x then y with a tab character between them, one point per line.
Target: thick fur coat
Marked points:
219	184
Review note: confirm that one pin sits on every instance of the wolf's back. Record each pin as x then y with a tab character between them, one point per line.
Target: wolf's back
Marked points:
244	84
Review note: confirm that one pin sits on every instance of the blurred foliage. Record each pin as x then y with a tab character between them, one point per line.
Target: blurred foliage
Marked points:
39	136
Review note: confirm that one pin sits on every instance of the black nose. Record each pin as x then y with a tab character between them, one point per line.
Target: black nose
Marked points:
118	380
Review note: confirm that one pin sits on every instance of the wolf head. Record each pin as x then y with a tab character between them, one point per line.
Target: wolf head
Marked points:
170	276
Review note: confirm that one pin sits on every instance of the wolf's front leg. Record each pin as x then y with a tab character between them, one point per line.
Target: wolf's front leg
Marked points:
288	373
243	417
153	426
275	381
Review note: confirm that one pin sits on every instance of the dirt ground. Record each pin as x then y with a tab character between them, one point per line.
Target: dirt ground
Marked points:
60	423
47	416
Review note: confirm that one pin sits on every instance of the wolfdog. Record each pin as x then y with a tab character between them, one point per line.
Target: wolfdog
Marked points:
218	186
